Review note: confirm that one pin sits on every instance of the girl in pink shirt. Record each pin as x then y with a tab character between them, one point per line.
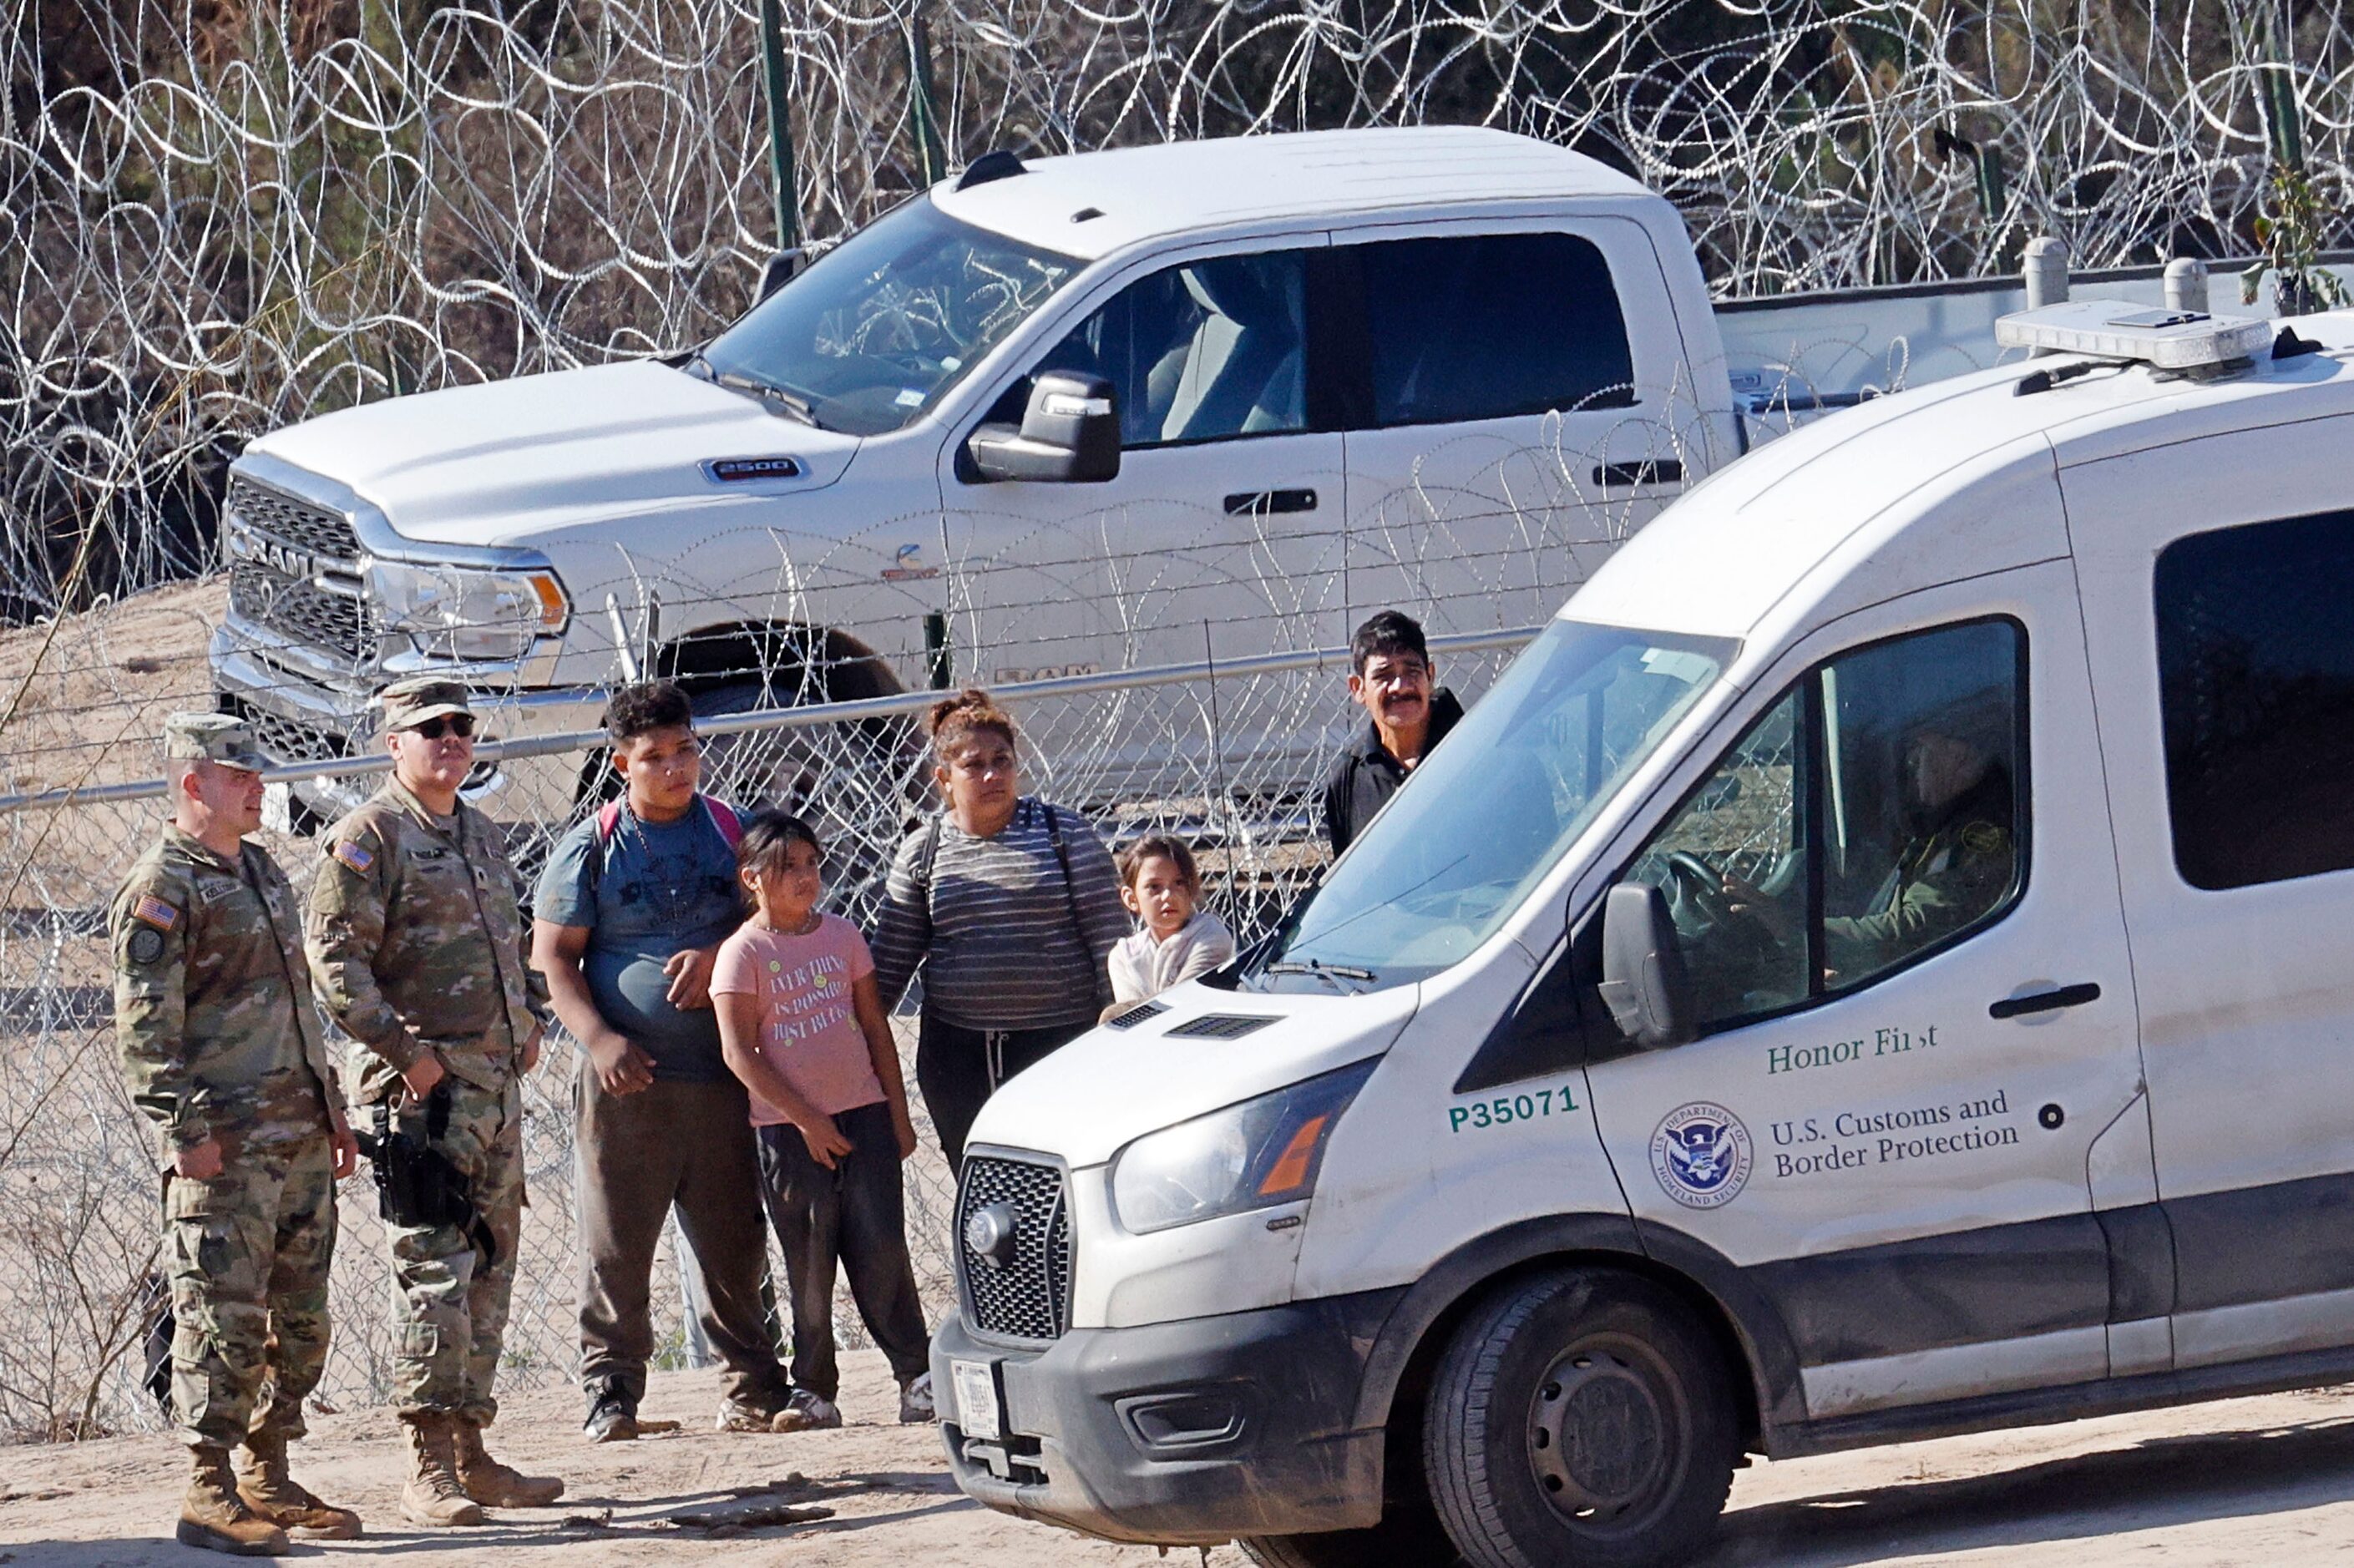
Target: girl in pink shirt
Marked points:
801	1024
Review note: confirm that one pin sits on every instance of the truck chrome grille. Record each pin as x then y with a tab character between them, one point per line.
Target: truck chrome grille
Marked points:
286	739
329	622
313	529
278	549
1028	1297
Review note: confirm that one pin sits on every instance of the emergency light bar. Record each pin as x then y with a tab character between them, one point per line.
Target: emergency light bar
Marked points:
2114	329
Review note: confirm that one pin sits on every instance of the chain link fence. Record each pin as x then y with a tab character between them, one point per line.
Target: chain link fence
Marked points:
1190	749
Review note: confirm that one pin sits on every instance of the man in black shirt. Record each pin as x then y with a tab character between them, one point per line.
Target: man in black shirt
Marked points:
1406	717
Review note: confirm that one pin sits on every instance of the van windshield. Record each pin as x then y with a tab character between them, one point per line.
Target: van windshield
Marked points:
883	324
1486	817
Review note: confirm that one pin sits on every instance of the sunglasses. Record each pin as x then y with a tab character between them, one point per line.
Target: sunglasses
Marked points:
459	724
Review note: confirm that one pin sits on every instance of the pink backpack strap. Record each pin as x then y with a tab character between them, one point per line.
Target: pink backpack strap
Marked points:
723	817
608	817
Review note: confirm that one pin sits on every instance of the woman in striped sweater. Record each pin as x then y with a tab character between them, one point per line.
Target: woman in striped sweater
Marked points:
1007	906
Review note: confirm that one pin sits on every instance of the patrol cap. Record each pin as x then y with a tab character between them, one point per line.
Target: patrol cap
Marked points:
410	702
213	737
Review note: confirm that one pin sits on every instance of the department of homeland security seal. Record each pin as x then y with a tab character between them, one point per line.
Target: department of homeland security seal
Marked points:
1701	1155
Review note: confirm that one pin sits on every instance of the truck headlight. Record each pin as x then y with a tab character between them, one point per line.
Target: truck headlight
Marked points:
457	612
1254	1155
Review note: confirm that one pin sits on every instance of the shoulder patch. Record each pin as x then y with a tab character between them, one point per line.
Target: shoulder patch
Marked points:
145	946
353	855
155	911
1983	837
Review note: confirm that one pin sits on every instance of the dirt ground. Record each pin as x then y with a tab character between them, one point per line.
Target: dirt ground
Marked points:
89	697
2249	1481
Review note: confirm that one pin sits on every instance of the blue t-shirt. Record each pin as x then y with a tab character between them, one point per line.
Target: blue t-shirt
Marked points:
663	887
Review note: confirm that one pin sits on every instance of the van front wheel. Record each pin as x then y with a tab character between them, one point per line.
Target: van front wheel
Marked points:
1579	1417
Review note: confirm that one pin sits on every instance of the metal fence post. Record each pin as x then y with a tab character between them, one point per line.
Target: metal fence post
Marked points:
923	110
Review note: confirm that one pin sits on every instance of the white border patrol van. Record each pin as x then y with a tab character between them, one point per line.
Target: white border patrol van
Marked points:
1874	967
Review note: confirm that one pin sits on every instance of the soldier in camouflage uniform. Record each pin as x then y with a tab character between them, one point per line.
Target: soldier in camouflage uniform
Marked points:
417	944
212	1010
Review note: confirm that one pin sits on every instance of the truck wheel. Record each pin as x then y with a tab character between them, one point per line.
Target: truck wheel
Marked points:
1580	1416
1404	1537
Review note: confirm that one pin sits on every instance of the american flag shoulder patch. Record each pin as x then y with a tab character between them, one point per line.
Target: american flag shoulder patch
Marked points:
352	855
155	911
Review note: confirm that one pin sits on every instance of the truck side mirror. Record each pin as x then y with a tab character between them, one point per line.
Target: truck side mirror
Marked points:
782	268
1643	978
1070	435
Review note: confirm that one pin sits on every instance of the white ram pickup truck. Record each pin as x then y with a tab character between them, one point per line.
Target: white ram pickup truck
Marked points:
1116	410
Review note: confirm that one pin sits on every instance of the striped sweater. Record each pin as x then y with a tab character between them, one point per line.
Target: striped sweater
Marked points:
991	928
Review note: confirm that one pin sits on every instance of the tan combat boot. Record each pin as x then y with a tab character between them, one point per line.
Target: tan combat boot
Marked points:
271	1490
215	1518
433	1497
490	1483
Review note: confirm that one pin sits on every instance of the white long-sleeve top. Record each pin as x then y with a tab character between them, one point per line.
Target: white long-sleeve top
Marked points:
1141	966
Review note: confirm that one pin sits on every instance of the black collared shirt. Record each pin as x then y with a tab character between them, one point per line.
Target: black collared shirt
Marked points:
1364	775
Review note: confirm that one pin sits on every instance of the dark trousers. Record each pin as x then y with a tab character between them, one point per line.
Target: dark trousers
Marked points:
687	1146
854	1216
959	1069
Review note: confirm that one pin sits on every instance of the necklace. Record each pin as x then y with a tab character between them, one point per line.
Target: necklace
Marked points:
662	872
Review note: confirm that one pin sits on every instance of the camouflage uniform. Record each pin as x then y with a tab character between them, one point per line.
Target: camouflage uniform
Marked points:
212	1010
1940	885
417	941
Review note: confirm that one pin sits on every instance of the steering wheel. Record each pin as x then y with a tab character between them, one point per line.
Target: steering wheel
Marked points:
1704	884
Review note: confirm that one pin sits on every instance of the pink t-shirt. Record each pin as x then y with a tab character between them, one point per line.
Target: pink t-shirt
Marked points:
808	1030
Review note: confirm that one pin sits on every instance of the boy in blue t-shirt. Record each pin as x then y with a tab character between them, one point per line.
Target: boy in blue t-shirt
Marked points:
629	913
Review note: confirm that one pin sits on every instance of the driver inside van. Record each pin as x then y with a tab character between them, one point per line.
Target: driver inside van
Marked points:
1956	864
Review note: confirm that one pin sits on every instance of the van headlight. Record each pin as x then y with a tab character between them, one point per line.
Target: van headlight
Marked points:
1254	1155
457	612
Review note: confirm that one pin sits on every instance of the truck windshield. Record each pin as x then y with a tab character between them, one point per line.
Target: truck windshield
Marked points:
1487	816
883	324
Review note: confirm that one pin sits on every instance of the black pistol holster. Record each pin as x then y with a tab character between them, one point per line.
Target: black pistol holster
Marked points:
415	1184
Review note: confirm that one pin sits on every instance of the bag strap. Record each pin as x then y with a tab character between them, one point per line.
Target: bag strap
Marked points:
1071	892
931	854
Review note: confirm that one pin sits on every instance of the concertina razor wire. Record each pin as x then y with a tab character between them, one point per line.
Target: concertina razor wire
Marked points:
218	217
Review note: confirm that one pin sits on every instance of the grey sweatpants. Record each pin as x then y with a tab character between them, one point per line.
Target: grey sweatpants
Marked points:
688	1144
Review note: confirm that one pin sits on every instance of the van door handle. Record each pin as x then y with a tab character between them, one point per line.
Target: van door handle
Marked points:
1243	500
2045	1000
1651	470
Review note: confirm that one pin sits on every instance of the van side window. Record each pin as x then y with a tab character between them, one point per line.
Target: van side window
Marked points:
1489	326
1206	351
2255	658
1872	815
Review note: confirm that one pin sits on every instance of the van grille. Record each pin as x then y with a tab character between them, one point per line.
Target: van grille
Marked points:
1029	1298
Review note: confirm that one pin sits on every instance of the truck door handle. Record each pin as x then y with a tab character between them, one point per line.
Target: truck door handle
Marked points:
1243	500
1651	470
2045	1000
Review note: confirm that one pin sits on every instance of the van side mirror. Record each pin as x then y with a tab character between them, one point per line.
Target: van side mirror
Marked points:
1070	435
1643	978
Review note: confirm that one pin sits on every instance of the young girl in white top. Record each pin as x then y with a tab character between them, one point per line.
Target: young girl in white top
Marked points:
1162	888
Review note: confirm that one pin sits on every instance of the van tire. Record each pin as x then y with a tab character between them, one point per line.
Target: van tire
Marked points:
1507	1481
1405	1536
